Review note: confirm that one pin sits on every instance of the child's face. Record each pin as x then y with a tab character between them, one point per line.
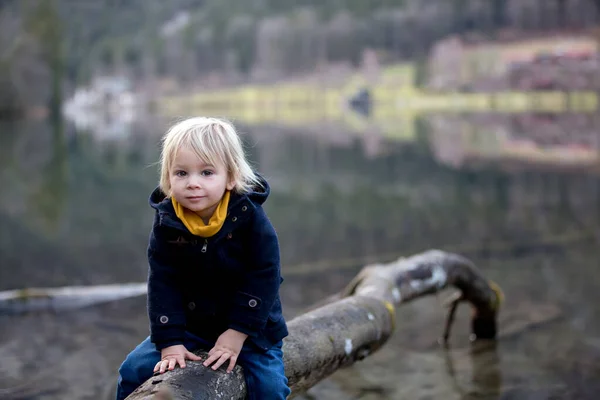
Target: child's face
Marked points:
196	185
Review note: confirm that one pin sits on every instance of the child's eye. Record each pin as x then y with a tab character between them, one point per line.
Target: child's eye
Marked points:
207	172
180	173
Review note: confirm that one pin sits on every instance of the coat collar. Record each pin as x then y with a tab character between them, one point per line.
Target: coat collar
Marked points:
240	209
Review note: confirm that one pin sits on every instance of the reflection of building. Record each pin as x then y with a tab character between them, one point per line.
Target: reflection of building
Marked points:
106	107
445	64
455	64
562	71
513	141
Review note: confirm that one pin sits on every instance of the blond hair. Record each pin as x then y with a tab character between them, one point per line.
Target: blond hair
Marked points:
215	141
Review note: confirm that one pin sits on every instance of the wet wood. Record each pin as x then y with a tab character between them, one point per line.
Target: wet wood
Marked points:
353	325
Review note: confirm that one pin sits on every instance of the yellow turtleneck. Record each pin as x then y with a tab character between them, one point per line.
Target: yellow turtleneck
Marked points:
194	222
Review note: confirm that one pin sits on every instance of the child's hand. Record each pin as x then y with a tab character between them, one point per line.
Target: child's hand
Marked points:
173	355
228	347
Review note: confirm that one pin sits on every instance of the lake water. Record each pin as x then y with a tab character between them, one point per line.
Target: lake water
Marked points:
518	195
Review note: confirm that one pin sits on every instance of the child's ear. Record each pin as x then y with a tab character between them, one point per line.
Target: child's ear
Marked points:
230	184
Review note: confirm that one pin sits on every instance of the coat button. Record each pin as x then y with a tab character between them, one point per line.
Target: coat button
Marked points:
164	319
252	303
244	208
229	235
191	305
234	219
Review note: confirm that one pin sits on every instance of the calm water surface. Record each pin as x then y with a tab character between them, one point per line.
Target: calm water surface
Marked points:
518	198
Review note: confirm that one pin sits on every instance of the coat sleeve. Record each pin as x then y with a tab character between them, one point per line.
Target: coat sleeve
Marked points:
259	288
165	304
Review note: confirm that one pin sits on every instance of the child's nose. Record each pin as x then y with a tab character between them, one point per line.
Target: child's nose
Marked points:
193	182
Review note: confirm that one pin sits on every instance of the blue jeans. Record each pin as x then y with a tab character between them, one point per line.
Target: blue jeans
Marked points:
265	376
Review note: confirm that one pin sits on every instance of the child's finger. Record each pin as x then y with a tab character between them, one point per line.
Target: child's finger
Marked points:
172	363
232	362
163	366
224	357
212	359
181	362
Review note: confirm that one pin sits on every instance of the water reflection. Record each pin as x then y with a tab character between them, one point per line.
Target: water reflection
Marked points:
49	198
486	374
72	196
564	141
76	213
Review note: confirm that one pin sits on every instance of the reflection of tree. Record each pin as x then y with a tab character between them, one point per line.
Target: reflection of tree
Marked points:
44	23
78	215
49	199
34	173
8	139
37	151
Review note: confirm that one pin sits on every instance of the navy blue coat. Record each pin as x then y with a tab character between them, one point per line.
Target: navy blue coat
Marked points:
206	286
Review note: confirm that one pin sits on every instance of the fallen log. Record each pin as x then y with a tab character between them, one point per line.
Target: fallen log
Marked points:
355	323
21	301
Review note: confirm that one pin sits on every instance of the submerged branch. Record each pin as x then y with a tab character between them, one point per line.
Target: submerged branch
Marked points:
20	301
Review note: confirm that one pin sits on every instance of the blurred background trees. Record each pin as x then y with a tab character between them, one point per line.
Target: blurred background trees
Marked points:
47	45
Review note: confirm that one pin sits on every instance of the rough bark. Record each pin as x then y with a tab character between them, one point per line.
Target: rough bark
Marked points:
353	325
